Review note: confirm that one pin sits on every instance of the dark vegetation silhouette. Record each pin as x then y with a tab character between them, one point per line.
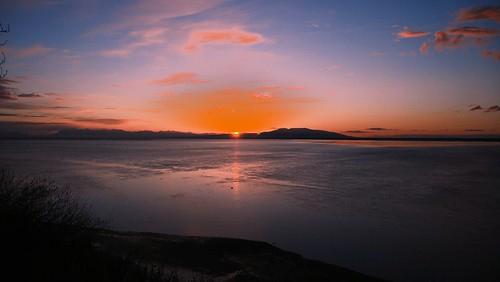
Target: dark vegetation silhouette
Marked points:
47	235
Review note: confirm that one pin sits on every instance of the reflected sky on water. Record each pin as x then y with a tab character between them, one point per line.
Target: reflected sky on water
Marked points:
400	210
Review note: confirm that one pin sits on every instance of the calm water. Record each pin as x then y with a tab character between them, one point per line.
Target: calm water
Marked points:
403	211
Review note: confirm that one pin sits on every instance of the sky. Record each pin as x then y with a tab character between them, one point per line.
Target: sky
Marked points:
364	68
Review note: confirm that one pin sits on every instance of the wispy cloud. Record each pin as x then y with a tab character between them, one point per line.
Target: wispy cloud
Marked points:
103	121
153	12
475	108
6	90
29	52
454	37
479	13
22	115
356	131
138	39
491	54
494	108
409	33
472	31
424	48
11	100
443	40
378	129
29	95
180	78
233	36
263	95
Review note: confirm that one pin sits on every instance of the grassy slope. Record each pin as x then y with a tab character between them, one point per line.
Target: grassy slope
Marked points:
222	258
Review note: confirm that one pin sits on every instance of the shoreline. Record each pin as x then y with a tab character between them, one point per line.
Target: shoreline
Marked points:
218	258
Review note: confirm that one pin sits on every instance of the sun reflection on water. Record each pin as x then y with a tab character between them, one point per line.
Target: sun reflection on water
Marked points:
235	171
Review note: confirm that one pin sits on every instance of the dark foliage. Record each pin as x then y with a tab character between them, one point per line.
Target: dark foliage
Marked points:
46	235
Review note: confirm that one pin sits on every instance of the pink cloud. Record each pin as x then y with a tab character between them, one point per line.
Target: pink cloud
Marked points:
424	48
33	51
471	31
263	95
495	55
180	78
443	40
235	36
408	33
480	13
455	37
139	38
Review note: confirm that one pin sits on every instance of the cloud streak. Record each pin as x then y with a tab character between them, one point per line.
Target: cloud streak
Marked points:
495	55
472	31
479	13
475	108
231	36
494	108
180	78
443	40
424	48
356	131
29	52
153	12
102	121
455	37
6	91
29	95
140	38
408	33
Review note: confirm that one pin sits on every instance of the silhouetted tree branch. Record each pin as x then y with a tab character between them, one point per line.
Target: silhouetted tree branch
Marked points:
3	29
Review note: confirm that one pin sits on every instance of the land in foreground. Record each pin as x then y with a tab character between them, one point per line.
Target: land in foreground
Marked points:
218	259
47	235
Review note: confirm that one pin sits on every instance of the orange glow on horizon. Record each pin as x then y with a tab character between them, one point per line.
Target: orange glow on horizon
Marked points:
233	110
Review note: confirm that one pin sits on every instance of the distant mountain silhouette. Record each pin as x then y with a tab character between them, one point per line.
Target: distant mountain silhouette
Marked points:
130	135
301	133
282	133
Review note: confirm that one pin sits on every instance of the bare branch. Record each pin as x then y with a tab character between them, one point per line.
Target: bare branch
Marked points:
2	29
2	73
2	61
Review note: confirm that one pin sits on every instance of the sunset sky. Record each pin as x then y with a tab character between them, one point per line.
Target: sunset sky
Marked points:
357	67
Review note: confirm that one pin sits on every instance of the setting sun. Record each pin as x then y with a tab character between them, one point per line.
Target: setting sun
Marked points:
235	134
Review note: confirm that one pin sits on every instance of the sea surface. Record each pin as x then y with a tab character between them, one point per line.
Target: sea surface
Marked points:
405	211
